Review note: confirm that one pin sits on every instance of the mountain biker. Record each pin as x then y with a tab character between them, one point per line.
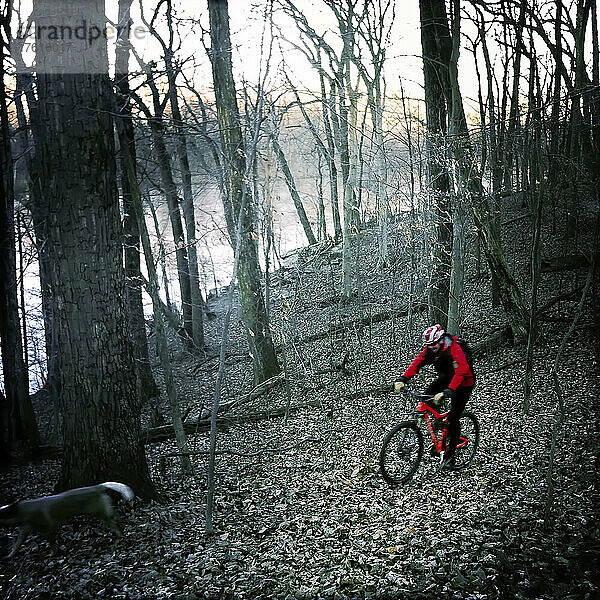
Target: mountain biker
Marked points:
455	379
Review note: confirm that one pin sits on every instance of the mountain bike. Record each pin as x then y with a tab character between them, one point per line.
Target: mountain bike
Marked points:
403	447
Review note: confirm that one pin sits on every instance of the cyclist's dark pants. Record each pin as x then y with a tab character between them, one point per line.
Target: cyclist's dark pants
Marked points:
458	403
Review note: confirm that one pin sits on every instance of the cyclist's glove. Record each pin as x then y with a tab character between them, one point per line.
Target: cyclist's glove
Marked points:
399	383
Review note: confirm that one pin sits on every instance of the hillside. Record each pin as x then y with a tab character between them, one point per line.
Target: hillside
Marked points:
302	511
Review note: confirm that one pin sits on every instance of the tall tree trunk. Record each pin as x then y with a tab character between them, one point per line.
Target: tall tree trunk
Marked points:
234	164
37	205
435	42
348	113
457	275
514	122
322	224
536	190
595	96
348	139
348	116
22	418
377	109
124	122
170	191
331	165
291	184
535	275
188	198
595	46
268	236
21	226
471	188
162	254
97	396
411	232
494	148
554	128
581	133
6	437
160	313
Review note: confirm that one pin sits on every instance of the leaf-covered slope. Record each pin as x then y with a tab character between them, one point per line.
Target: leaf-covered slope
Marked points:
302	511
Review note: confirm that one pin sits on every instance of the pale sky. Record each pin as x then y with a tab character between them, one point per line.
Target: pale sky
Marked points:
247	24
247	20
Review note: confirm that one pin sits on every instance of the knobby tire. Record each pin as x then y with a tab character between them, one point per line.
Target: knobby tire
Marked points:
469	426
401	453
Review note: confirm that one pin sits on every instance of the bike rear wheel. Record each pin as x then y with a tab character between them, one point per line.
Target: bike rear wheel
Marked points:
401	453
467	441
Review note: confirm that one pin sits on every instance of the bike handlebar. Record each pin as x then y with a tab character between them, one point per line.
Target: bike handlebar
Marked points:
406	390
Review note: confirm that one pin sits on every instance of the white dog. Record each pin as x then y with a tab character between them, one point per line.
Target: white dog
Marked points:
45	515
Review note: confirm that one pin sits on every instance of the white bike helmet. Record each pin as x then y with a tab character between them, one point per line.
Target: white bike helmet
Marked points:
433	335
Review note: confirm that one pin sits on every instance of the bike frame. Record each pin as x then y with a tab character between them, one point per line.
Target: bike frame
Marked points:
424	411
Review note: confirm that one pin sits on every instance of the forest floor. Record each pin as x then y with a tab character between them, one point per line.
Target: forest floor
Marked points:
301	508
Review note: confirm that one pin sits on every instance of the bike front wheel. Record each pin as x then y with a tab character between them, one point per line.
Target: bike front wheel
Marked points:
468	440
401	453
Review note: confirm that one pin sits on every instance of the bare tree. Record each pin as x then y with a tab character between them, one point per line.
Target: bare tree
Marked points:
468	178
22	424
234	166
181	147
326	61
97	395
373	30
289	179
158	128
127	154
435	42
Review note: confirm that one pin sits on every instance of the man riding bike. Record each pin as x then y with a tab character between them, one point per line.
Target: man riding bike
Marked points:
455	379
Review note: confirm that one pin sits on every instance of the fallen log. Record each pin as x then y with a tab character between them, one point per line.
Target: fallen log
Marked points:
564	263
244	454
360	322
162	434
259	390
570	295
337	329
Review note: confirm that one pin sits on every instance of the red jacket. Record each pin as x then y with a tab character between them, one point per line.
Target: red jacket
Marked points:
450	362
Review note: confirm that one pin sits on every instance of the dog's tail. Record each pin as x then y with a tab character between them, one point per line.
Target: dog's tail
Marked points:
125	491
